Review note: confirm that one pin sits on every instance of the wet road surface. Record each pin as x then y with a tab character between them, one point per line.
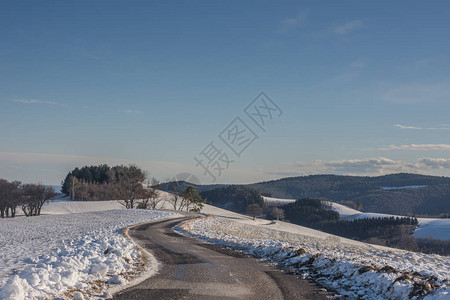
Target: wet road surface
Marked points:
191	269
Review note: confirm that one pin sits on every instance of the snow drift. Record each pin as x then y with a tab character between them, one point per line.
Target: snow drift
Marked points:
70	255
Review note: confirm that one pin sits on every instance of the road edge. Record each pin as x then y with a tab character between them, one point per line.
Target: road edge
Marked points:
151	267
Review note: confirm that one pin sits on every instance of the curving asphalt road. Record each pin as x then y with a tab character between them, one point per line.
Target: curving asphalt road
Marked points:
191	269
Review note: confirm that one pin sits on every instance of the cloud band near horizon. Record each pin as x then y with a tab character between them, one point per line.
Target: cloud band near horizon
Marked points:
51	168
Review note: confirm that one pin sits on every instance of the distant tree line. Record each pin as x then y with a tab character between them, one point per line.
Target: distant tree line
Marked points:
90	183
310	212
394	232
242	199
30	197
102	182
234	197
352	204
430	245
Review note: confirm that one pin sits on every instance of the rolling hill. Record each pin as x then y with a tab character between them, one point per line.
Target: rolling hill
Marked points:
399	194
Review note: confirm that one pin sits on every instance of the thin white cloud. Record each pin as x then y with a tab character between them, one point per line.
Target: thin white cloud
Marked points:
407	127
33	101
436	163
418	147
367	167
419	94
290	23
379	165
441	127
132	111
347	27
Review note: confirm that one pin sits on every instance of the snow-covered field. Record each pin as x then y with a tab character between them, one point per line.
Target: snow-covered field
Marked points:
71	255
75	207
435	228
352	268
77	249
428	227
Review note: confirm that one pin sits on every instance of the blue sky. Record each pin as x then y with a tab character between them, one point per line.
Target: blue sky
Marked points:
364	87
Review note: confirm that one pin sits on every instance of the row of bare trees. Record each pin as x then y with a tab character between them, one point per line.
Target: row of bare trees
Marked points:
129	185
151	198
30	197
91	191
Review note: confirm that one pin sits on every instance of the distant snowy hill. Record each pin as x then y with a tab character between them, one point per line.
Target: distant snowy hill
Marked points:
398	194
77	245
428	227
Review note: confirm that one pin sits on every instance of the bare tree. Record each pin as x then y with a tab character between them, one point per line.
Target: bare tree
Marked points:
16	197
177	201
10	197
4	197
80	189
129	184
276	213
188	200
34	197
254	210
151	195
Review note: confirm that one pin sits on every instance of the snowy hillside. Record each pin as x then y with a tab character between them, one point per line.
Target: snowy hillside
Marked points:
75	207
277	201
46	256
428	227
352	268
75	247
65	206
435	228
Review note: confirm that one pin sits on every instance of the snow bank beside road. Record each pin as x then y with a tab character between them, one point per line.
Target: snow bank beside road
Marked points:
356	271
48	256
